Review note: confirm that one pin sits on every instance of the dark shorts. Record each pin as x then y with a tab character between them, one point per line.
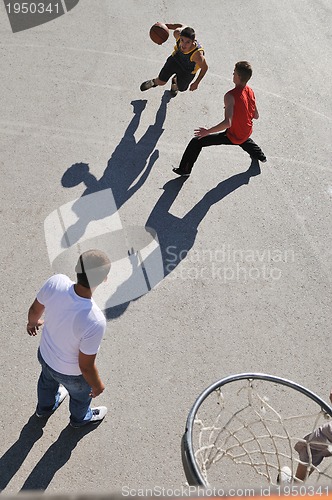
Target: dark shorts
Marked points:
170	68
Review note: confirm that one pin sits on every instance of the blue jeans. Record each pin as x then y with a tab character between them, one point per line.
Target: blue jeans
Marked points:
48	395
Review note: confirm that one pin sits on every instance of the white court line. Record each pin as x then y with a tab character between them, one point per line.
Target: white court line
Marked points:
21	128
300	221
294	160
176	146
89	84
278	96
63	5
79	49
130	56
45	127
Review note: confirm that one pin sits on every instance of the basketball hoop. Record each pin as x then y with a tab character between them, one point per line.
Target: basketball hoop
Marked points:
243	429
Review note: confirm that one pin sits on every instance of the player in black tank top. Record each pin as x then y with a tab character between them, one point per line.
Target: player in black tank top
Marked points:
186	61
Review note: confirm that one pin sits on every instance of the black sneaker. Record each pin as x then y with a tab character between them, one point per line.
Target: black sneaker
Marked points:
180	172
147	85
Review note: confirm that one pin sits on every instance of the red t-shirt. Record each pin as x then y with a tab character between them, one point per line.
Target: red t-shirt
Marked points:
244	111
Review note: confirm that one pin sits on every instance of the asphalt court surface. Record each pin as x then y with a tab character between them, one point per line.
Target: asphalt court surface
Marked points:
249	282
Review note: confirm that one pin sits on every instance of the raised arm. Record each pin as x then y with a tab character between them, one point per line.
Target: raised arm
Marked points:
177	29
226	123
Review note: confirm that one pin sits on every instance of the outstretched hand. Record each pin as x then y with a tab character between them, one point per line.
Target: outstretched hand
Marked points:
201	132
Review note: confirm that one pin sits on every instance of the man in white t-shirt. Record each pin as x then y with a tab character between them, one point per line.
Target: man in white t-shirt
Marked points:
73	329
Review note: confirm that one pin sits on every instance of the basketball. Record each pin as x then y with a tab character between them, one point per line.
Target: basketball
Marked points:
159	33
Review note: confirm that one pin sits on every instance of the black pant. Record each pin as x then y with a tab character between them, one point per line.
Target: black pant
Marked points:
195	147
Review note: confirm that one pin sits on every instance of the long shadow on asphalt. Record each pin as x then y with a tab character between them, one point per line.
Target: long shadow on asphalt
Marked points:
176	236
55	457
14	457
126	171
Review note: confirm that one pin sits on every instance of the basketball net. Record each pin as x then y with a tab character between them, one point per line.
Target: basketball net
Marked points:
256	437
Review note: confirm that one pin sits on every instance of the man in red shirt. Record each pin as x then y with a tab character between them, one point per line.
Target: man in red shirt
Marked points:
240	110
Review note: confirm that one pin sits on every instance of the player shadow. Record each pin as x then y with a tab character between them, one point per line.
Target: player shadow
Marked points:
13	458
126	171
176	235
56	456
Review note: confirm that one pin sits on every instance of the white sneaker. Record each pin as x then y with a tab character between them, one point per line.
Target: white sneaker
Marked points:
63	393
285	476
98	413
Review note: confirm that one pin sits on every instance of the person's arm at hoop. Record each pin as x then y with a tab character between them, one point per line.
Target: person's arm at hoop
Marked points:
226	123
200	60
87	364
36	311
301	471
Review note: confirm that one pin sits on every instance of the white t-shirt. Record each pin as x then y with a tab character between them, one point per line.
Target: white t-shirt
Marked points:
72	324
